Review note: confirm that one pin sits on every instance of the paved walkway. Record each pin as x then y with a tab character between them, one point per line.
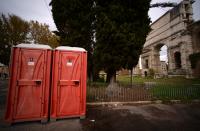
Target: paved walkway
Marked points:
151	117
116	117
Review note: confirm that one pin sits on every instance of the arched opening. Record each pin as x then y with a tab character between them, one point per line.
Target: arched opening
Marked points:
145	73
163	54
161	59
177	58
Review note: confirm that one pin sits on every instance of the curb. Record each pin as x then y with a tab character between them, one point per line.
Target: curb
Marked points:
139	102
114	103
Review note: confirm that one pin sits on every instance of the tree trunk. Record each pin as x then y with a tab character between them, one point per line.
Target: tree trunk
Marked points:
131	78
111	76
90	77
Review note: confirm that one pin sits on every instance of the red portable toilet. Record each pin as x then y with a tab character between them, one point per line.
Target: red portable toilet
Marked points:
68	93
29	84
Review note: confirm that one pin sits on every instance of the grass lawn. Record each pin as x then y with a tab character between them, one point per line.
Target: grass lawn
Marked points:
163	89
175	91
174	80
169	88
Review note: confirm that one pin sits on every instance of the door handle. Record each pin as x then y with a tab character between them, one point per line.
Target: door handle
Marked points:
38	82
69	82
76	83
25	82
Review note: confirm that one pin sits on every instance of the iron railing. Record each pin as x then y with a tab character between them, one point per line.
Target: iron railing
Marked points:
143	92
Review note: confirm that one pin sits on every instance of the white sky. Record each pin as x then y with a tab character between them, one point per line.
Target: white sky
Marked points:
29	10
163	53
40	11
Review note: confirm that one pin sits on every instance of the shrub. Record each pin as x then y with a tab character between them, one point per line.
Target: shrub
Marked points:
151	72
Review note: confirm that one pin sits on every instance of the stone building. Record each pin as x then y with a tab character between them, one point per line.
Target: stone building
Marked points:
194	30
170	30
163	68
137	71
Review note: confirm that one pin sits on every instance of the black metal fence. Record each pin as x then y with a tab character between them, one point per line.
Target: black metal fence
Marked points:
136	92
143	92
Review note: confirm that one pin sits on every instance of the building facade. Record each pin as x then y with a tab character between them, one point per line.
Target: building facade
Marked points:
170	30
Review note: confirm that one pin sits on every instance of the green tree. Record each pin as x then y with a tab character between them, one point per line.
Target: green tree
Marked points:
54	41
13	30
74	20
118	26
41	34
18	29
4	41
122	26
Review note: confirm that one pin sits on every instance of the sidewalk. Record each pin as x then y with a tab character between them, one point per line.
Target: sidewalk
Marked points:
150	117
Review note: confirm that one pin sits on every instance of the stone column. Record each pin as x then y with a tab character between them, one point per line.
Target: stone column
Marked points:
188	50
171	63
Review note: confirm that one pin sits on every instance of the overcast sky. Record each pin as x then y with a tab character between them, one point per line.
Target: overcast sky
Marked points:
39	10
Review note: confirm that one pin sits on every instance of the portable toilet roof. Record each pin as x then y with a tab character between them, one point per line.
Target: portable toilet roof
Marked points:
69	48
33	46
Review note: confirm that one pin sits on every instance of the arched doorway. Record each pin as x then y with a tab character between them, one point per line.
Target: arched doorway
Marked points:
145	73
163	54
177	58
161	59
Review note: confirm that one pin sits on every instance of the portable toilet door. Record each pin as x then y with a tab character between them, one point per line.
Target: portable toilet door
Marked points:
68	95
28	95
